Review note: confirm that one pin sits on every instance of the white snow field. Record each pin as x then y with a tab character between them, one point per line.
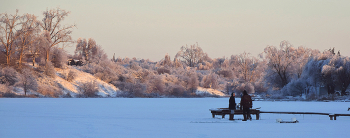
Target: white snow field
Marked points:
162	117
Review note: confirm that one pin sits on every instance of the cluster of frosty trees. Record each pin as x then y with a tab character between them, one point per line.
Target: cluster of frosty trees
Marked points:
281	70
23	39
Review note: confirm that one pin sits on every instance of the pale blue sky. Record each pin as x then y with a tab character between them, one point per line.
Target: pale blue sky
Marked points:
151	28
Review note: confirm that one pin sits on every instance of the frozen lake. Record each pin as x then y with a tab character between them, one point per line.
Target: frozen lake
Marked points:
162	117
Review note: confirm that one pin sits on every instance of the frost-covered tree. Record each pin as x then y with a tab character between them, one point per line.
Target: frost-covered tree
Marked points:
86	49
246	66
279	64
156	85
192	82
71	76
166	61
295	88
302	55
191	55
337	72
98	55
35	48
177	63
317	72
59	57
59	34
9	24
89	89
218	62
29	28
27	81
80	47
49	69
210	81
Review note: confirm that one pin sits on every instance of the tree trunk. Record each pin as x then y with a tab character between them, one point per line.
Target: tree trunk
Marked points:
8	60
47	55
20	58
33	60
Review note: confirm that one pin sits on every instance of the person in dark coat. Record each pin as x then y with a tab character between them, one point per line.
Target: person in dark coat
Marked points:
246	103
232	105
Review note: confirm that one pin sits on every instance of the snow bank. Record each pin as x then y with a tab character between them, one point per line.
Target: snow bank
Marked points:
204	91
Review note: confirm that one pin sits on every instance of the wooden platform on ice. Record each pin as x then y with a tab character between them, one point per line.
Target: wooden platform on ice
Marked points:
225	111
331	116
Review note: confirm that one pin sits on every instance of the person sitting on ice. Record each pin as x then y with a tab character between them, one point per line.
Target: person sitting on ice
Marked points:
246	103
232	105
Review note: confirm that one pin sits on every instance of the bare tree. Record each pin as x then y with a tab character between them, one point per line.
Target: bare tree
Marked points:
191	55
9	24
52	23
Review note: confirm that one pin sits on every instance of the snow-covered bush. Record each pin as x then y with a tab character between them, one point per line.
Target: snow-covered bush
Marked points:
294	88
177	91
226	73
47	68
156	85
71	75
8	76
88	89
134	66
59	57
130	89
163	70
27	80
49	90
210	81
5	88
107	75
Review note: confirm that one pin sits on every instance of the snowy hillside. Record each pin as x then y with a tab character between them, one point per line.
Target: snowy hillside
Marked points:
104	89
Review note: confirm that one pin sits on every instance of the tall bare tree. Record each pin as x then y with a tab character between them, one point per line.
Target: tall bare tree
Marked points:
9	24
52	23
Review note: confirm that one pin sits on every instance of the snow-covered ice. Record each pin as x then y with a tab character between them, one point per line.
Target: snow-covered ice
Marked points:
162	117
